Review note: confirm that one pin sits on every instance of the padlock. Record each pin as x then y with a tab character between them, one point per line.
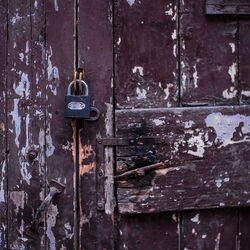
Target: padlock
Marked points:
77	106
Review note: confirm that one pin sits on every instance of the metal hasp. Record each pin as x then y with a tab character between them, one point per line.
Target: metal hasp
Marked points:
229	7
54	189
78	106
100	159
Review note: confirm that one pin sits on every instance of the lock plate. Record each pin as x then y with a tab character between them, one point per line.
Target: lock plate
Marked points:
77	106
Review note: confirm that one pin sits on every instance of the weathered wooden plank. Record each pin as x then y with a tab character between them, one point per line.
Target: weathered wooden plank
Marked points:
209	229
244	218
227	7
59	132
150	231
207	150
3	125
96	57
244	55
145	53
26	119
208	60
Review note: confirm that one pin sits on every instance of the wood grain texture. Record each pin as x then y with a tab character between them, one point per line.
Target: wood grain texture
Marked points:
208	59
3	125
60	151
228	7
209	229
244	218
145	54
244	55
25	120
150	231
96	57
207	151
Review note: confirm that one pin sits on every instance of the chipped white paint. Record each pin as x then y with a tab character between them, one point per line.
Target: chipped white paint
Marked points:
23	89
119	41
17	121
188	124
217	242
51	222
174	50
130	2
166	90
195	76
232	45
245	93
196	219
174	217
158	122
56	5
109	119
204	236
27	49
68	230
50	148
218	183
174	36
18	198
21	56
52	73
225	126
14	45
2	193
197	142
232	71
229	93
68	146
36	4
169	12
15	18
222	204
226	179
139	69
141	94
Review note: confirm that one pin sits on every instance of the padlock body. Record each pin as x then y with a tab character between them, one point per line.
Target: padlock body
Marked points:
77	106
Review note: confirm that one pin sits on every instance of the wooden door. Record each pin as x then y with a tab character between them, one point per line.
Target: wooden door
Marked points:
166	166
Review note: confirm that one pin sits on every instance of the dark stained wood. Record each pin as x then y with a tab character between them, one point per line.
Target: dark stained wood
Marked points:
244	218
25	120
3	126
244	55
59	132
145	37
209	229
225	7
207	152
96	57
208	60
151	231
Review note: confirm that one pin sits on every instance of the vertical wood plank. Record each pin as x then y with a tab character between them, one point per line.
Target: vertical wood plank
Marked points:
3	126
95	56
208	60
244	55
244	239
209	229
145	53
26	119
59	132
147	231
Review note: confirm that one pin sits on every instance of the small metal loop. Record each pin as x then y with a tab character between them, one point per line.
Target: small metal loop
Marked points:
96	117
83	84
75	82
80	85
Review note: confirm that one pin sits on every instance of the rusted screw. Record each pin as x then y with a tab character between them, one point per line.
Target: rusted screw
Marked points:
32	154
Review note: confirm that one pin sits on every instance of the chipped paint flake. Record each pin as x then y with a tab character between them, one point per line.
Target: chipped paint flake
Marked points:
56	5
197	142
51	222
232	71
169	12
188	124
232	45
119	41
195	77
21	57
141	94
138	69
226	125
2	193
196	219
17	121
218	183
18	198
158	122
130	2
23	88
245	93
229	93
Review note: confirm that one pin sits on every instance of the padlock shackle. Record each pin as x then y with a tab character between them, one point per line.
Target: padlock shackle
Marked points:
84	84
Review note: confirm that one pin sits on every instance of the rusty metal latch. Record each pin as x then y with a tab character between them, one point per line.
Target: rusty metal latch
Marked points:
55	189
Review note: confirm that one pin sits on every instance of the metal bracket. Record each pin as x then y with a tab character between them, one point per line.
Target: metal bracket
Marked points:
101	144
